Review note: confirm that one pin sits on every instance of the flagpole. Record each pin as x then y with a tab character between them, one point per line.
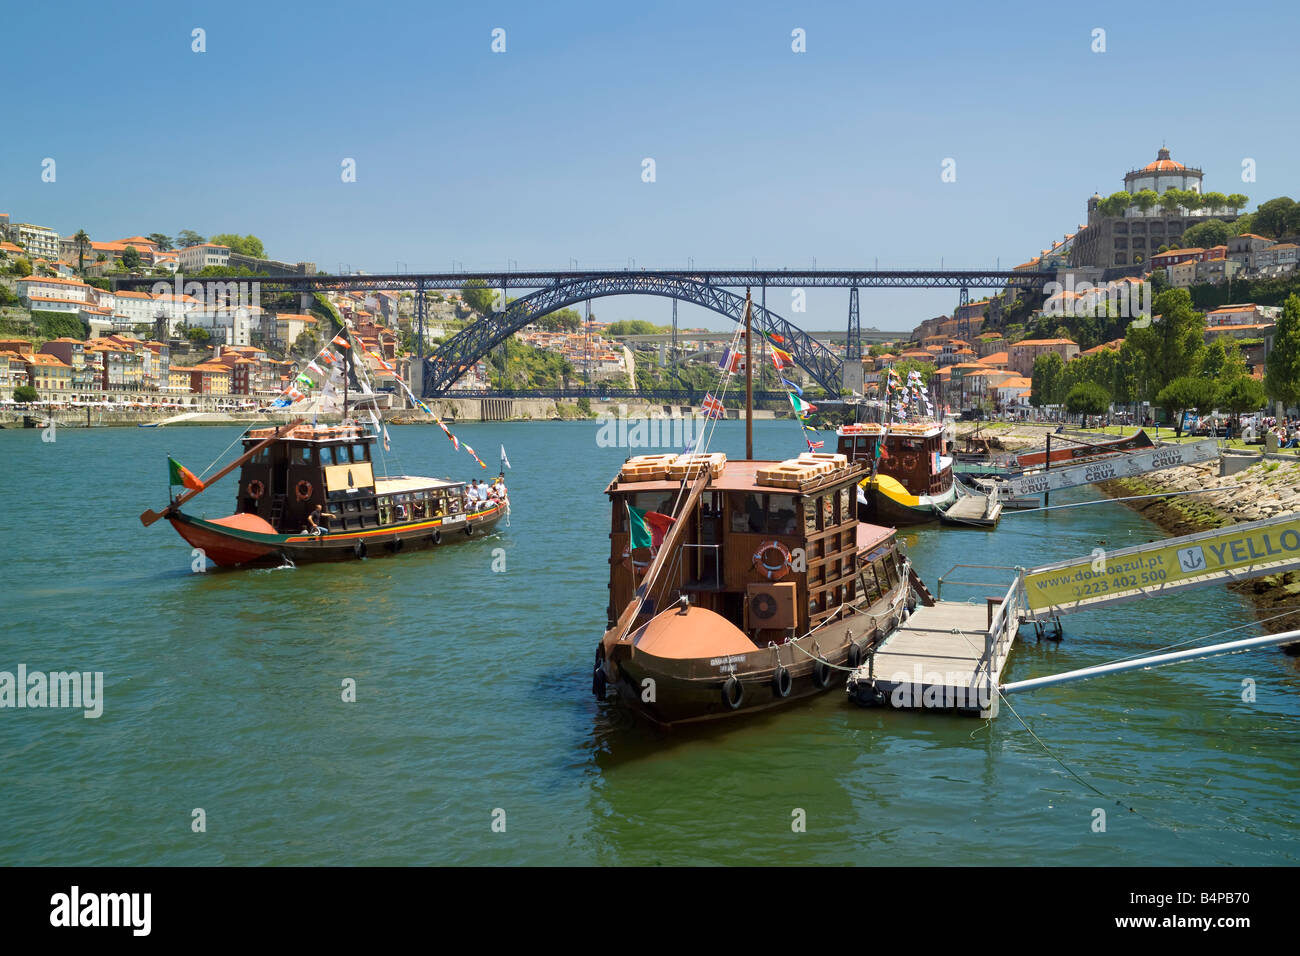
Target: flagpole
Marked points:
749	383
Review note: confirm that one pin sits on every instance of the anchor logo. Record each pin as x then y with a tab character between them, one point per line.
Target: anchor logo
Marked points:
1191	559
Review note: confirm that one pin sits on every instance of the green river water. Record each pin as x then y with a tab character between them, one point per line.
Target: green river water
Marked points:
222	692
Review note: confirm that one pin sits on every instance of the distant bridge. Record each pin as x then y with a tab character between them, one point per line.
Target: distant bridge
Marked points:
684	396
705	287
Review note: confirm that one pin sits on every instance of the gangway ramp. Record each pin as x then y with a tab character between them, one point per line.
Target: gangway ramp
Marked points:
1235	553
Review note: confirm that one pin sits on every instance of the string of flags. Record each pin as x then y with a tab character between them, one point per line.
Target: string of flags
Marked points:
903	397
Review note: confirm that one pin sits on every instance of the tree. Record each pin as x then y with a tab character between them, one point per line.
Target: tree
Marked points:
1187	392
1204	235
188	237
1087	398
305	343
566	320
25	393
1115	204
478	296
1237	200
197	336
130	258
22	266
249	245
1047	369
82	239
1282	378
1146	199
1271	218
161	240
1242	394
1172	343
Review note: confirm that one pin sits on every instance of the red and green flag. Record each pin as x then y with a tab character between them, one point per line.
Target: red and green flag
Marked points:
648	528
178	474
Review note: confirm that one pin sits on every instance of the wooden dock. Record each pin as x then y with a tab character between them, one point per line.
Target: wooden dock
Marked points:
947	657
973	510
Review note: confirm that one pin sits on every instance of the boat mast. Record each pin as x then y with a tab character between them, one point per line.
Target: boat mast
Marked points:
749	382
347	373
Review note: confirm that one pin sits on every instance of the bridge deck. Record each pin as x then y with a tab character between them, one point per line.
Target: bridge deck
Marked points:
935	661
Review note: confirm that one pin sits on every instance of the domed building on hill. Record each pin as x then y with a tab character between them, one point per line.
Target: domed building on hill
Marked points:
1122	244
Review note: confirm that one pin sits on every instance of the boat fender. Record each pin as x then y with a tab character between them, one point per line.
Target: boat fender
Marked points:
256	489
302	490
359	549
822	674
733	692
782	682
437	536
856	654
469	530
396	545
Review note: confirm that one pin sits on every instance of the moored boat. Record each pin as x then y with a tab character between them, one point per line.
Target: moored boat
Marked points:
287	473
1075	451
740	586
912	479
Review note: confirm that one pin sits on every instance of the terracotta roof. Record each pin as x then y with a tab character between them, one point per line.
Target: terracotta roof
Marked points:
1045	342
55	281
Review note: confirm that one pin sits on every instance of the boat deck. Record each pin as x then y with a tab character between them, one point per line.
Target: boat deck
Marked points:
938	660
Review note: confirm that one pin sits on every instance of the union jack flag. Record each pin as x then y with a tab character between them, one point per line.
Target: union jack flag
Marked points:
713	408
816	444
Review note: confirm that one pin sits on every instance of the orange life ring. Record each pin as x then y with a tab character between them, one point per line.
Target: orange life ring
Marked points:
773	572
908	462
256	489
302	490
632	564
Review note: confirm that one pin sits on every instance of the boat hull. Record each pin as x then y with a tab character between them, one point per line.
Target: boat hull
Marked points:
694	690
889	503
230	547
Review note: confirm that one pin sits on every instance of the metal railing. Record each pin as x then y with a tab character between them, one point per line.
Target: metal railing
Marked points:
1002	628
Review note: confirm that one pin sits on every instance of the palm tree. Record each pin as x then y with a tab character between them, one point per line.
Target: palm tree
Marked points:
83	243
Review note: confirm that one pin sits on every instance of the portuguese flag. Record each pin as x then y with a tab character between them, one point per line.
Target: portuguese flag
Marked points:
178	474
648	528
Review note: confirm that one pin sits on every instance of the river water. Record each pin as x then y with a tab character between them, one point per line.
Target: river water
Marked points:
474	737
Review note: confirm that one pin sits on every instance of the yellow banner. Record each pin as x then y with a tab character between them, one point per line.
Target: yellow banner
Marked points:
1244	550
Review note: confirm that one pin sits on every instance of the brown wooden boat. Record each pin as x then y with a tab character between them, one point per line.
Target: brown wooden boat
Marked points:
764	589
1074	451
913	481
281	482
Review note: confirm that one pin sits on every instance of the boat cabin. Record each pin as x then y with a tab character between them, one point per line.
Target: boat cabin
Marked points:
771	546
914	453
331	465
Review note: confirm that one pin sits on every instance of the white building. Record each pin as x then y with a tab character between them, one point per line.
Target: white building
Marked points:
39	287
225	324
40	243
1163	174
194	258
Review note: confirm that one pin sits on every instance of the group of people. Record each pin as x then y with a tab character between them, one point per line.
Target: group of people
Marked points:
481	491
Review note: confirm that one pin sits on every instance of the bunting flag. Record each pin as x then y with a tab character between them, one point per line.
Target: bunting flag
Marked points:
815	444
774	338
474	456
712	408
328	357
178	474
340	341
315	368
792	386
732	361
306	380
505	462
801	408
781	358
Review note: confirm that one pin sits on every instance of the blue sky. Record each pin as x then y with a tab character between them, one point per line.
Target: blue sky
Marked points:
535	155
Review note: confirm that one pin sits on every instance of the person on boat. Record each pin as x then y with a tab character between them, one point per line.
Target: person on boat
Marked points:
317	519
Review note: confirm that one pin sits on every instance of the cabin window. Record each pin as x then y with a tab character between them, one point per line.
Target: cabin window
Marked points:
845	513
351	505
757	513
809	515
359	453
305	456
828	510
418	507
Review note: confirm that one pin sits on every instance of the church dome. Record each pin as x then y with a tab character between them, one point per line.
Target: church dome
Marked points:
1163	164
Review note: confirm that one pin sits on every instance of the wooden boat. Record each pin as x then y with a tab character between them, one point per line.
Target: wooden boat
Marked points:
287	472
913	479
1071	451
764	588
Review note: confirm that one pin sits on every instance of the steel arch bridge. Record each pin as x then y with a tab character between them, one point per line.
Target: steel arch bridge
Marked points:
458	354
